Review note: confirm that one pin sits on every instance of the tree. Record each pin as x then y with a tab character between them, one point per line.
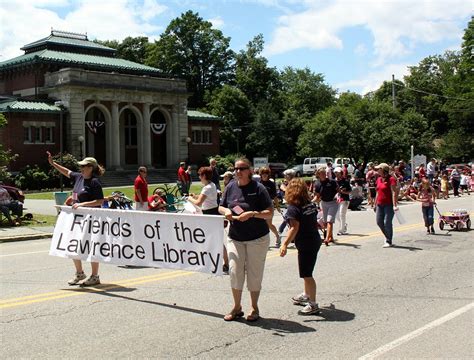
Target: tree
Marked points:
361	128
232	105
131	48
252	74
304	91
5	156
192	49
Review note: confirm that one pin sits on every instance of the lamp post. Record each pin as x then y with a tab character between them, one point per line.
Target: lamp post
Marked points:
60	104
238	131
81	142
188	141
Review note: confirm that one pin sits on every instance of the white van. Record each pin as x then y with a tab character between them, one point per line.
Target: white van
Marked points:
313	163
341	161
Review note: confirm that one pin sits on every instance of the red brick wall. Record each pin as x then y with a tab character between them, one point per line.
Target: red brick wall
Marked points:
12	137
197	152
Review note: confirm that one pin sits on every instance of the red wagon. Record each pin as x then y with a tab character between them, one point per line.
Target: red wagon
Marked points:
457	219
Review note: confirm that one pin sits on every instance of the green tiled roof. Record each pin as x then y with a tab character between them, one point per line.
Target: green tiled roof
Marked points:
27	106
71	59
68	40
199	115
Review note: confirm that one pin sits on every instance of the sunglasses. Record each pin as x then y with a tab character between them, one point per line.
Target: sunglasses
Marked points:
241	168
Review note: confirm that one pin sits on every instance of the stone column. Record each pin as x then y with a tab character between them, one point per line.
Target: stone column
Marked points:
146	136
76	125
175	140
115	138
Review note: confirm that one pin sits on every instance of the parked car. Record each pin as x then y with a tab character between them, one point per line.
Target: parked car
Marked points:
298	169
15	193
313	163
277	169
341	161
461	168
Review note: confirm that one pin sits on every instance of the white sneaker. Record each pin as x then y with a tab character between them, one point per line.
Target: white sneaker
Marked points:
387	244
310	309
301	299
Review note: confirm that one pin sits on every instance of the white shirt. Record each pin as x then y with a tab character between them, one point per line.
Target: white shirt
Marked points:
430	168
464	180
210	202
5	198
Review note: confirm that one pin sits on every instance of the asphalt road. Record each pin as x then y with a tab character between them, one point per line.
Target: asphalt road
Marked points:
411	301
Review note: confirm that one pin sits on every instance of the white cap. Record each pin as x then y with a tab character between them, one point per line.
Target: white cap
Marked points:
338	169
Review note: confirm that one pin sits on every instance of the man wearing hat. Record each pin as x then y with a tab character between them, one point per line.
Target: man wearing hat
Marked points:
386	202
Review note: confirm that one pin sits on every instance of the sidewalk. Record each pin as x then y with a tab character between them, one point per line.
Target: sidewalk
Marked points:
43	207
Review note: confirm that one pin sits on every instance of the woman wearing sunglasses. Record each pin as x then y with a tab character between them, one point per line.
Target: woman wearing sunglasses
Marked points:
87	192
247	205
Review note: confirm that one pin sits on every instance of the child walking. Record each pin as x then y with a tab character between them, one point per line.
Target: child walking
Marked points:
427	197
444	186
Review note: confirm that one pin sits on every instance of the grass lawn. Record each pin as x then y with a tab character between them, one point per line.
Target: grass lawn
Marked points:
128	191
38	220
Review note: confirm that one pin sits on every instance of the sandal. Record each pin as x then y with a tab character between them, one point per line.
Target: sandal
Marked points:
233	315
253	316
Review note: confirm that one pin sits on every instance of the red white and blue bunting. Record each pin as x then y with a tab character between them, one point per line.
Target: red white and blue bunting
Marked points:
158	129
94	125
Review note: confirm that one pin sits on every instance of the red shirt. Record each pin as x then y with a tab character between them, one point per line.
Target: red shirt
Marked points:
183	175
384	191
421	173
141	185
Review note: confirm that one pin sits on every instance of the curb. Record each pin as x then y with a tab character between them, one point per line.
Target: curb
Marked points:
26	237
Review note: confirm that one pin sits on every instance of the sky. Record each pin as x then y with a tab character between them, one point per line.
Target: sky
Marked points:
354	44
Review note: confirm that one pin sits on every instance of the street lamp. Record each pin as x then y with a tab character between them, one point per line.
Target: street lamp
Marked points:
237	130
188	141
81	142
60	104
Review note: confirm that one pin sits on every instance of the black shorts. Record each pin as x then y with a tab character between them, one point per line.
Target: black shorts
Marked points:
372	193
307	260
463	187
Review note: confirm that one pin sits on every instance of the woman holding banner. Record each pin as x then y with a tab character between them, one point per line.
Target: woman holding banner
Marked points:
207	201
87	192
247	205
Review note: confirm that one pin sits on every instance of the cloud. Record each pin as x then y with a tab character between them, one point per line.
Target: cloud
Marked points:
373	80
360	49
28	21
217	22
396	26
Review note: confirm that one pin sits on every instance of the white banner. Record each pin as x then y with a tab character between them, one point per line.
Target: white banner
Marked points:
140	238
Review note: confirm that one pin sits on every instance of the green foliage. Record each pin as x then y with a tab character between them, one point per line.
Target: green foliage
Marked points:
6	157
233	106
361	128
224	162
131	48
68	161
252	74
32	178
192	49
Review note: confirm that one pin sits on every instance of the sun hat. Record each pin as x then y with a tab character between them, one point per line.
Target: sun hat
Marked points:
88	161
383	166
338	169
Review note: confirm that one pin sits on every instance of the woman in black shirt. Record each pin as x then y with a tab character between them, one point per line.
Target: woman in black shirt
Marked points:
302	219
87	192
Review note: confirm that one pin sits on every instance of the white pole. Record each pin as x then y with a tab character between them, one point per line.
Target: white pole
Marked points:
412	162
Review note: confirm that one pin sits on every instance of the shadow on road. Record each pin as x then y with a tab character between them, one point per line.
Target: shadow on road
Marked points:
330	313
280	326
355	246
410	248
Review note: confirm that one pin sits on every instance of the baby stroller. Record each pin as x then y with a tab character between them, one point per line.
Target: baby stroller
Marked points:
118	200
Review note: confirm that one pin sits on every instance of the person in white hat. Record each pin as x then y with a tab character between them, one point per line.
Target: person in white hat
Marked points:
87	192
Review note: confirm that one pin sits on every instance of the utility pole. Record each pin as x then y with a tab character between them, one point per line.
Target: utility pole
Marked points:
237	130
393	92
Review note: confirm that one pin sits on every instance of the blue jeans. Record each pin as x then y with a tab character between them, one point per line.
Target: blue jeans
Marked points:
428	215
384	216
